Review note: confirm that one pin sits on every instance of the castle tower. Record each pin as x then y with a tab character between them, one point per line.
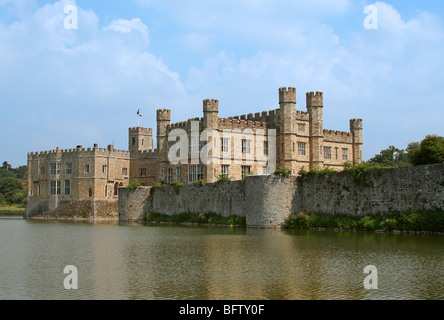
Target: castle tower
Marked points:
356	130
140	139
287	106
211	121
163	120
315	104
211	114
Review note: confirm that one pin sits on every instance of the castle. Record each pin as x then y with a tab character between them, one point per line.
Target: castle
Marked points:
239	146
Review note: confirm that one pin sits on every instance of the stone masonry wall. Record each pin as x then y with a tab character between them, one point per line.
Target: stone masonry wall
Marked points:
401	189
266	201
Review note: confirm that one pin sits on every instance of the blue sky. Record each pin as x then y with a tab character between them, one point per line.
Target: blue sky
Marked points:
62	88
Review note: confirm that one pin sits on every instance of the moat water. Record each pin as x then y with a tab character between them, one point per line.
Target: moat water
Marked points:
135	261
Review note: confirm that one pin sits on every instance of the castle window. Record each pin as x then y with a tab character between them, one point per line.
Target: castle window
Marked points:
294	147
31	193
194	145
224	171
179	174
345	154
246	170
67	187
327	152
246	146
90	192
301	127
170	174
142	142
106	191
38	190
42	171
133	141
302	148
225	144
52	169
104	168
52	188
68	168
86	168
336	149
143	172
195	172
202	144
116	189
124	171
266	148
55	188
59	167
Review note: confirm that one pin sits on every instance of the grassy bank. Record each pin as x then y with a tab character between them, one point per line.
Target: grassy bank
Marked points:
429	220
199	218
12	210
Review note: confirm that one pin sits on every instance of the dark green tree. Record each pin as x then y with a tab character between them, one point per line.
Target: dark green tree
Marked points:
391	157
12	190
430	151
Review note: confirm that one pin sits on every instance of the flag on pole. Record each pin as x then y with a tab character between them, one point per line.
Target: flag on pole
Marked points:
139	113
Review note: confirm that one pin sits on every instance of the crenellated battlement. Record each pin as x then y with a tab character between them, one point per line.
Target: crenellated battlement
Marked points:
141	130
287	95
79	151
211	105
265	116
355	124
337	136
163	115
336	132
315	99
302	115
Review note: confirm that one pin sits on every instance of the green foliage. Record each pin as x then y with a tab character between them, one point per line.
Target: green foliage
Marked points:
200	182
12	191
427	220
177	184
2	200
134	184
199	218
324	172
392	157
282	172
223	178
430	151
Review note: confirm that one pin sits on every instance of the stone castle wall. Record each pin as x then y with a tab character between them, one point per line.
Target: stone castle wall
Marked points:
266	201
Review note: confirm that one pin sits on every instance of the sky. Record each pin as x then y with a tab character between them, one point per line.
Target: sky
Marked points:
63	87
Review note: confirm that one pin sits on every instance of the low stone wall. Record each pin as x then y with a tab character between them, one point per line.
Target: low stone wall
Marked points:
80	209
266	201
381	191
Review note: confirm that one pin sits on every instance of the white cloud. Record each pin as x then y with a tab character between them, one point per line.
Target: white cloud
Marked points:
91	81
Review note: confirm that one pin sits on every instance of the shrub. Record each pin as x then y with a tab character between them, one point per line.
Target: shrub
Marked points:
134	184
223	178
177	184
282	172
200	182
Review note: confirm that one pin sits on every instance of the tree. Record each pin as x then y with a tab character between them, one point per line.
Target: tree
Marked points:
12	190
430	151
391	157
6	165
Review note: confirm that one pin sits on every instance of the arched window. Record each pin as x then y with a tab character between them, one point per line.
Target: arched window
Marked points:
116	189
